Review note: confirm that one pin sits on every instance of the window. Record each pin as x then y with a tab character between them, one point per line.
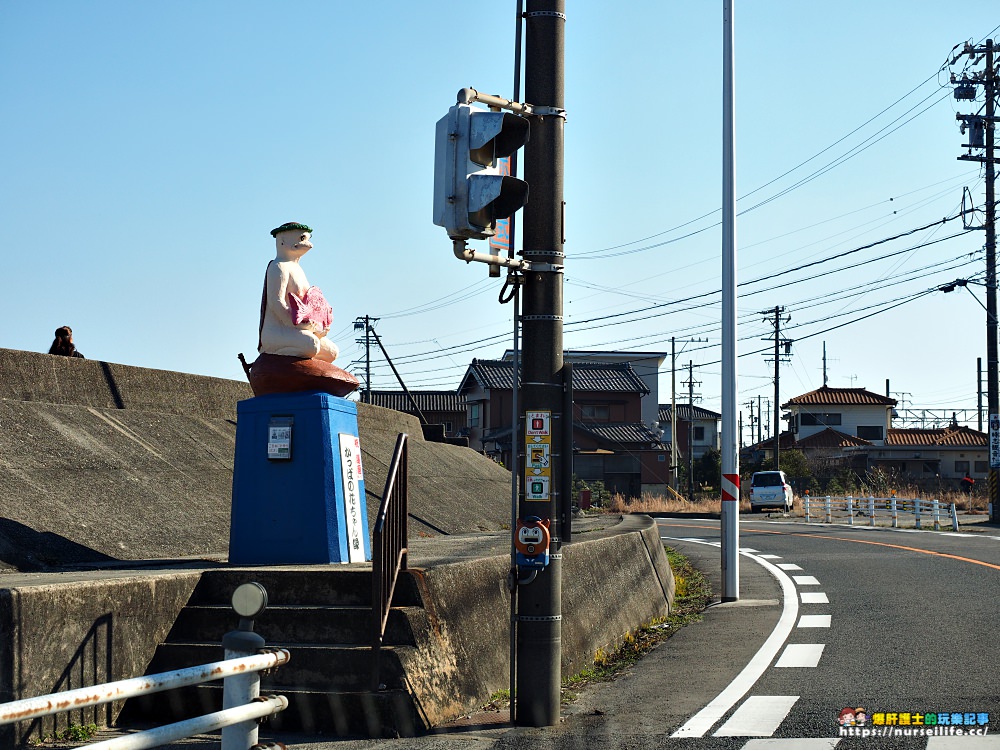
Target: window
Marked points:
961	467
474	414
447	427
870	433
809	419
699	433
595	412
982	467
930	467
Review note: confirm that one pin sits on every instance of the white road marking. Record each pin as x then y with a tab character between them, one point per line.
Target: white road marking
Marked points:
801	655
747	549
817	597
806	580
789	566
759	716
707	717
963	743
814	621
771	557
797	743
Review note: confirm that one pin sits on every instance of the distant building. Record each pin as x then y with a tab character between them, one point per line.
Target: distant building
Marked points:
612	443
697	428
445	408
852	428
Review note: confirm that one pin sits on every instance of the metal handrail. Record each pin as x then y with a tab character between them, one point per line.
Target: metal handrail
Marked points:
389	549
95	695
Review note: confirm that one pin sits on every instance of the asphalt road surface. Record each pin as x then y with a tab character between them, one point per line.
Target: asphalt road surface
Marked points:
901	624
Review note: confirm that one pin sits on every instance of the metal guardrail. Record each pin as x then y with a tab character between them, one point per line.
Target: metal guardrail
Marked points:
389	549
847	508
243	706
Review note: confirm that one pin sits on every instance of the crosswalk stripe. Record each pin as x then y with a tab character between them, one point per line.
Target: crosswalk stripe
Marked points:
814	597
770	557
789	566
801	655
759	716
805	580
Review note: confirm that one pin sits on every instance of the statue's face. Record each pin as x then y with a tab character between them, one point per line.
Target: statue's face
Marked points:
295	240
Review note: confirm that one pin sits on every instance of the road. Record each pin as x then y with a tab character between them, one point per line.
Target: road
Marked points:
830	617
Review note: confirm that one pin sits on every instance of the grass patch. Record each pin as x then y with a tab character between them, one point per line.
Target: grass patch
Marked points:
693	593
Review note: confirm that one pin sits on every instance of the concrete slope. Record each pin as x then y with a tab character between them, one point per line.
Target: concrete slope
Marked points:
103	462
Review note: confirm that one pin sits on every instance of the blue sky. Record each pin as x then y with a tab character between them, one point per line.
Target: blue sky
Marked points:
150	148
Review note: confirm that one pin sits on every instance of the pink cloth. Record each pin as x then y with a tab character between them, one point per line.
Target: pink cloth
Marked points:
312	308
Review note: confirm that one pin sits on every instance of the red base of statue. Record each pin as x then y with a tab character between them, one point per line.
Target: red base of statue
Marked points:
277	373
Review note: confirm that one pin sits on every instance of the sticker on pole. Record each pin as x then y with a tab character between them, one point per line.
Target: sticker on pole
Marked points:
994	441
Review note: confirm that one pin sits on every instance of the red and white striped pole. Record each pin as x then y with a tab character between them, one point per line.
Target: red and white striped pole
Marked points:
730	516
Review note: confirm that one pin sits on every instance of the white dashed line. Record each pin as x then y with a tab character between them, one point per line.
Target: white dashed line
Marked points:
759	716
789	566
770	557
817	597
805	580
801	655
814	621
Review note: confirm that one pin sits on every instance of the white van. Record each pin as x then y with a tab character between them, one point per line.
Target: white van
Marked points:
770	489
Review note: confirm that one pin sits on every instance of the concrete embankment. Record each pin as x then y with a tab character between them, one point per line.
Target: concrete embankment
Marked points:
105	462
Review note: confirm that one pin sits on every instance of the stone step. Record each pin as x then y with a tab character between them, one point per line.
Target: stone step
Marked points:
318	666
387	713
285	625
315	586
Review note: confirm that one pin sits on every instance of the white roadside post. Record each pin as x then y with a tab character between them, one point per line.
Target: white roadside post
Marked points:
730	516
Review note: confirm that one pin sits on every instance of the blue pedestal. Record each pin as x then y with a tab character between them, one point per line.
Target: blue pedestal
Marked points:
298	483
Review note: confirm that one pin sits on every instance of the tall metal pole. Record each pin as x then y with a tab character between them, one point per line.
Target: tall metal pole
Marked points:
777	406
539	632
690	431
730	516
674	468
992	376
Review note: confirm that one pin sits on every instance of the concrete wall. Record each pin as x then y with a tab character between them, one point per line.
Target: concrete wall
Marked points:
104	462
78	629
109	624
613	581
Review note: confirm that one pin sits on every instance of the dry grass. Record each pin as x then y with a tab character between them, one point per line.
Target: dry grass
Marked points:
650	503
654	503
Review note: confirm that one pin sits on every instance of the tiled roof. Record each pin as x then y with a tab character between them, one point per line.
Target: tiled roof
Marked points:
827	396
830	438
587	376
620	432
685	411
767	444
942	436
433	401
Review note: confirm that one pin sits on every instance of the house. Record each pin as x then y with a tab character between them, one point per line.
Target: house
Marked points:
853	412
696	427
945	453
437	407
611	442
852	428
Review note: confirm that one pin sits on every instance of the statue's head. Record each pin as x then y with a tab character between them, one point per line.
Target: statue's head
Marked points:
293	237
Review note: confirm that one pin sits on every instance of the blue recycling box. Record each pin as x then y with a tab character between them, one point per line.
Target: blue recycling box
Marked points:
298	482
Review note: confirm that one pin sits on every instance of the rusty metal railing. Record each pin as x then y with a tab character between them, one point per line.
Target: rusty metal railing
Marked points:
389	549
45	705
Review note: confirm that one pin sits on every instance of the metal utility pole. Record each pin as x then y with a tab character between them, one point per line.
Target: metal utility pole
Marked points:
690	383
774	317
539	615
675	466
979	392
673	413
982	135
730	516
368	324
